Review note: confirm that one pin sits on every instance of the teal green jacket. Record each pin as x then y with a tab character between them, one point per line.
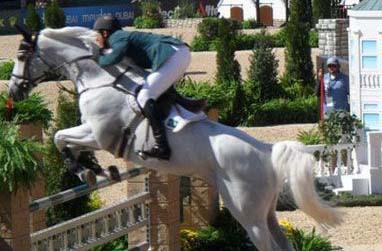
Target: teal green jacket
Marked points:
147	50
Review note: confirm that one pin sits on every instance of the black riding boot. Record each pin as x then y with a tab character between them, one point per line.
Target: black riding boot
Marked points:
161	149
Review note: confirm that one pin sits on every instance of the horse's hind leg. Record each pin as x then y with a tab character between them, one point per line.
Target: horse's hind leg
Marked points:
275	229
261	236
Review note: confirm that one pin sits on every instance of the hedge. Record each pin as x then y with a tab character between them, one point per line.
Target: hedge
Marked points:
281	111
248	41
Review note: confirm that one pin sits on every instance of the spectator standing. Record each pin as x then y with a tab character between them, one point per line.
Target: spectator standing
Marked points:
336	87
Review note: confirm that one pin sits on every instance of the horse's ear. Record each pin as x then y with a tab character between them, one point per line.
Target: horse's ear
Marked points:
27	36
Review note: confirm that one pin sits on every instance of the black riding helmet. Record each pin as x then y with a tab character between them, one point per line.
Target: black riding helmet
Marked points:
108	23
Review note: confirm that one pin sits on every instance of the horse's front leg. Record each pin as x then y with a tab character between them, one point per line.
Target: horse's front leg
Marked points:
72	142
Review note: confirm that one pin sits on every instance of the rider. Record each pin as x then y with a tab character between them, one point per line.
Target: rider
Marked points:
167	57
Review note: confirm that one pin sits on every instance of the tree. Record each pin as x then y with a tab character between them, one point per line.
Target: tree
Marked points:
32	20
262	74
299	66
321	9
228	69
257	3
54	16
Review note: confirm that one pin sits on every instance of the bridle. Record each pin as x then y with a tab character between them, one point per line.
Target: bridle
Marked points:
26	51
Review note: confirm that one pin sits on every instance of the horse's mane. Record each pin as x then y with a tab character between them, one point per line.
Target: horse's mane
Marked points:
87	36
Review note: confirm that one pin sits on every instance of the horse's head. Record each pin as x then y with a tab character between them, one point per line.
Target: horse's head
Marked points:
51	51
28	70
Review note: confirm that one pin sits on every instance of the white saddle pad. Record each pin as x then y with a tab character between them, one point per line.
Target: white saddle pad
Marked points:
179	117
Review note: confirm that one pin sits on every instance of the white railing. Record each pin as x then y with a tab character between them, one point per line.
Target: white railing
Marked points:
95	228
371	80
330	159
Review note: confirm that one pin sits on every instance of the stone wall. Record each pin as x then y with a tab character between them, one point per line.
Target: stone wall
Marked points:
333	37
183	23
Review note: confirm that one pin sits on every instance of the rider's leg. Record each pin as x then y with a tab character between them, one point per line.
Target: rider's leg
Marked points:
156	84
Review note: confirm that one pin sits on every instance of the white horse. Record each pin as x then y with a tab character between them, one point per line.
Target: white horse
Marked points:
248	173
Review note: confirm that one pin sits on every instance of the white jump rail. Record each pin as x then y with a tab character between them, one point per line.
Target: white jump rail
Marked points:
95	228
80	190
325	161
98	227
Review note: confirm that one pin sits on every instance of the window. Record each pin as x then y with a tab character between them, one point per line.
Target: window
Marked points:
370	106
369	55
371	121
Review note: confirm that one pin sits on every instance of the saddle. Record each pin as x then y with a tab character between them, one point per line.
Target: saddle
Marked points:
166	100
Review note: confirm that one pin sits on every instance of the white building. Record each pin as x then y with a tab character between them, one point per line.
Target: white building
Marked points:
365	62
271	11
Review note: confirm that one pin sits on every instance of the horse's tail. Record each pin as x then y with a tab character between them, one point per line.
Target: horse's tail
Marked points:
290	161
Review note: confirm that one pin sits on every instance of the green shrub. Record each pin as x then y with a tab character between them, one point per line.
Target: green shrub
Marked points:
313	39
228	69
120	244
227	98
147	23
226	234
299	66
208	36
185	9
321	9
200	44
32	19
302	241
281	111
215	95
209	28
293	89
280	38
54	16
6	69
262	74
250	24
340	125
311	137
18	162
151	16
30	110
349	200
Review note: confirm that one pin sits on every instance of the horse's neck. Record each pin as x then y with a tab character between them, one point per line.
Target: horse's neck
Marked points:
86	73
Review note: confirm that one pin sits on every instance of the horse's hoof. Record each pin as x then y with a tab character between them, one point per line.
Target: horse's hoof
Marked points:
114	173
89	177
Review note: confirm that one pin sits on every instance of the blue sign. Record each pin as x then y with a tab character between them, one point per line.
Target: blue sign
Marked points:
86	16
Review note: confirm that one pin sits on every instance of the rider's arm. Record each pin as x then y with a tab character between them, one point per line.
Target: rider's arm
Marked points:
119	51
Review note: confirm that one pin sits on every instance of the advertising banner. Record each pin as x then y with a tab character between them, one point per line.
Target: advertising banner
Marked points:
86	16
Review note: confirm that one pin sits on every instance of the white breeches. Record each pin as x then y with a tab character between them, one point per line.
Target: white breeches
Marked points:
170	71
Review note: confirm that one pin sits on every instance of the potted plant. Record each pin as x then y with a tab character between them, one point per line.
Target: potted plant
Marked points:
20	165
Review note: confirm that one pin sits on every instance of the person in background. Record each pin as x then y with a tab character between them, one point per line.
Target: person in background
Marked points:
168	59
336	87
